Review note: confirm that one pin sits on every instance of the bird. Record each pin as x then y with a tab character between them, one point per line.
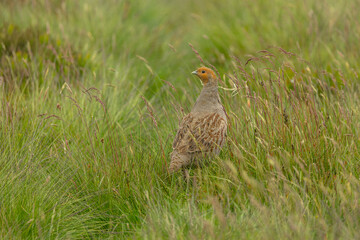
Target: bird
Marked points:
202	132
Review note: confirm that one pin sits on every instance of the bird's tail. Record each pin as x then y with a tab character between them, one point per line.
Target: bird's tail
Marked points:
178	161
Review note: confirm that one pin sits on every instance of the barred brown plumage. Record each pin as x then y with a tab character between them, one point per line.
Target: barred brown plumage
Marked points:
203	131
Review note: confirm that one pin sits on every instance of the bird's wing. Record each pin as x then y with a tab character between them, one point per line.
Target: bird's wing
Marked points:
205	133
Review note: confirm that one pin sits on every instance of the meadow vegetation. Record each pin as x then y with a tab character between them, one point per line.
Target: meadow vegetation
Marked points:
91	94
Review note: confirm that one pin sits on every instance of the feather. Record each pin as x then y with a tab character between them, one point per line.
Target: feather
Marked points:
203	134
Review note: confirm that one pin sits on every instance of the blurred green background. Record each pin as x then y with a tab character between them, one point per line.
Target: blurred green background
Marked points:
91	96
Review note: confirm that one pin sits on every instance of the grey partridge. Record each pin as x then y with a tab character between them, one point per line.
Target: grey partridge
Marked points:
202	132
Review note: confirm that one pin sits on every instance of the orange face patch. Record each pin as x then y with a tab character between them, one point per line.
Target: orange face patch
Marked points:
205	74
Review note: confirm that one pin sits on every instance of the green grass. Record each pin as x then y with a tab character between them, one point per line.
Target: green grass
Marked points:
91	96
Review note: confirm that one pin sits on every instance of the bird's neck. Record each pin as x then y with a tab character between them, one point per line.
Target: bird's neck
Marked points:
208	100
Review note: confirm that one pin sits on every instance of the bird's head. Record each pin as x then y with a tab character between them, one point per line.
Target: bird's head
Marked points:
206	75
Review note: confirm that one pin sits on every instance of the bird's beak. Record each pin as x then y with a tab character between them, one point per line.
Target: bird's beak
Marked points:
194	72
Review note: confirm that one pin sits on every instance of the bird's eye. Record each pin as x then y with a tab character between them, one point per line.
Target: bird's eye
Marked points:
203	71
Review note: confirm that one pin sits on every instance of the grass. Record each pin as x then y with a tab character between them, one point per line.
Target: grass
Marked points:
92	93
